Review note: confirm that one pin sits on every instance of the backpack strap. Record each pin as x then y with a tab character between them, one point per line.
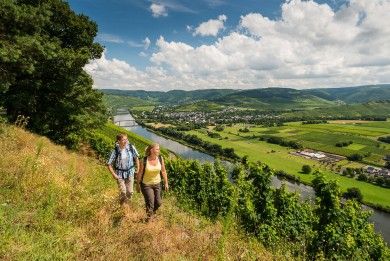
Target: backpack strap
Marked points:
144	167
118	154
132	149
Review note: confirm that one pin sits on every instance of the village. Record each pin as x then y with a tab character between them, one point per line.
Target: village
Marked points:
226	115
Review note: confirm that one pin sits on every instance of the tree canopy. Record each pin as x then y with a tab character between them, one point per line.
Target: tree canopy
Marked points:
44	46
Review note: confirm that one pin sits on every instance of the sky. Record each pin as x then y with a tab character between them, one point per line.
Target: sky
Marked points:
241	44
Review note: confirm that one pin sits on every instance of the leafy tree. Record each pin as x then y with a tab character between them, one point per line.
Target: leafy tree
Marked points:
387	164
219	128
384	139
244	129
362	177
355	157
244	160
387	161
353	193
306	169
42	54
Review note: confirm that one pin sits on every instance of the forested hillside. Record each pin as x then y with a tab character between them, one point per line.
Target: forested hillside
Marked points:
261	99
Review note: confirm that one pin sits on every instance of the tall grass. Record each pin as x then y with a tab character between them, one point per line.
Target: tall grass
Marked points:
59	205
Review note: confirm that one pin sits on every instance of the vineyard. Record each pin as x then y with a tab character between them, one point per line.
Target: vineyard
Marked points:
329	229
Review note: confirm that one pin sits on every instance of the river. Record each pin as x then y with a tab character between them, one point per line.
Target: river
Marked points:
380	219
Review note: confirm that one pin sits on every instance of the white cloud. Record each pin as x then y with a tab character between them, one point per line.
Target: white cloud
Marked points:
158	10
142	54
135	44
110	38
211	27
311	45
146	43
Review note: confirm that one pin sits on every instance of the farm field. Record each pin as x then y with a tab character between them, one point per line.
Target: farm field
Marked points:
325	136
319	137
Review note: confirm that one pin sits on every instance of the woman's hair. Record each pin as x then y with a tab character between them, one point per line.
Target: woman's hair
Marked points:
120	136
149	148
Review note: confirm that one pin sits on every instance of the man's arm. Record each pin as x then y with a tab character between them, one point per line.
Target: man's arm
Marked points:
110	168
109	164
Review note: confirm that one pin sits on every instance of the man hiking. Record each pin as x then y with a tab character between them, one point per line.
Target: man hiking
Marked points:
122	164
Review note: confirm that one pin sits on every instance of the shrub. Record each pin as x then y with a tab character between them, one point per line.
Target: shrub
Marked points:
355	157
213	135
384	139
306	169
244	130
362	177
353	193
219	128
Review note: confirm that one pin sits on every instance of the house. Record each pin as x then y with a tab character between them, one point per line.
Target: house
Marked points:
371	169
385	172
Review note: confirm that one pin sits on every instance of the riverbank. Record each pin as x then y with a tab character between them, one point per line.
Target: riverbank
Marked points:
369	191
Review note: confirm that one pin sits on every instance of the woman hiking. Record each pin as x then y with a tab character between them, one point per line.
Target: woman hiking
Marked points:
149	175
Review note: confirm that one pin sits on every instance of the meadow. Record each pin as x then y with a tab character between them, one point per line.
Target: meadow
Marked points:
320	137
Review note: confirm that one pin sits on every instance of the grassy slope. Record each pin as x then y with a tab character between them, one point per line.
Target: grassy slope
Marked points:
115	101
59	205
278	158
350	110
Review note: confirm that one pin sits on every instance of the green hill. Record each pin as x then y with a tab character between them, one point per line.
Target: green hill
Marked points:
360	94
373	109
118	101
59	205
174	96
274	98
263	98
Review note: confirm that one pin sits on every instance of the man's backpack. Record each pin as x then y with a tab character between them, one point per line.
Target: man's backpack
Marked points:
118	153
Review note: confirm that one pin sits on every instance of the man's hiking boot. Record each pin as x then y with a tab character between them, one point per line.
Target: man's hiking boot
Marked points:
122	200
129	195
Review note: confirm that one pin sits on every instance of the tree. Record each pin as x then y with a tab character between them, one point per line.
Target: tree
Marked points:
306	169
387	161
219	128
353	193
355	157
42	56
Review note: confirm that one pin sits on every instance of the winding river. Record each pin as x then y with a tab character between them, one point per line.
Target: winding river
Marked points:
380	219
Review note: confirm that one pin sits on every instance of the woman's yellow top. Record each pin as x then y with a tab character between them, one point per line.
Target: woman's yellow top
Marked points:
152	173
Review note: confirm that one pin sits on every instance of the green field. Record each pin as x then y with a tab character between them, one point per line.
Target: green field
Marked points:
320	137
325	136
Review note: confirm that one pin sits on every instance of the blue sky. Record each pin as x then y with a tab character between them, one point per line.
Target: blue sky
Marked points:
182	44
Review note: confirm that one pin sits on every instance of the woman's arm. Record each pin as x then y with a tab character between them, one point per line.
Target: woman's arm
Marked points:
164	174
139	175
